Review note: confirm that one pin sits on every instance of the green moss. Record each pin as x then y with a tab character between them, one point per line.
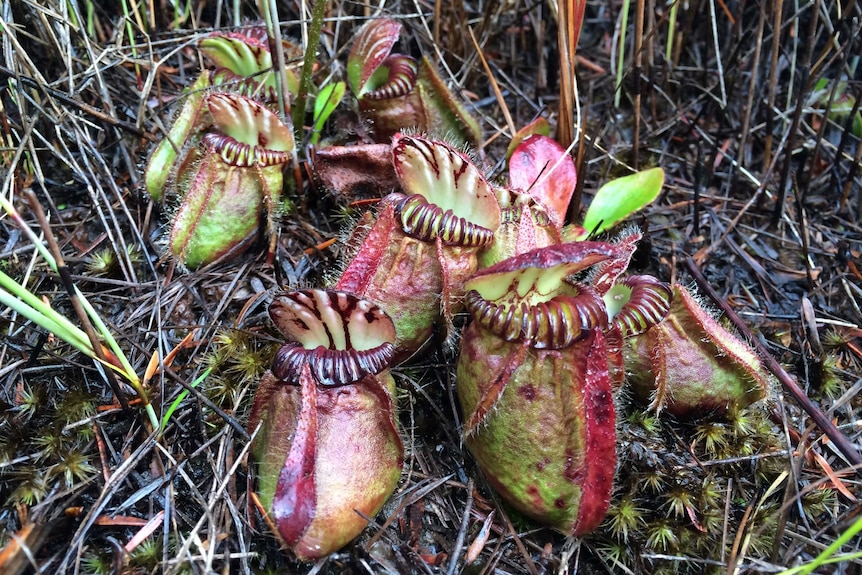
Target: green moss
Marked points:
673	483
30	399
712	438
662	537
238	359
32	486
74	466
625	519
148	554
96	563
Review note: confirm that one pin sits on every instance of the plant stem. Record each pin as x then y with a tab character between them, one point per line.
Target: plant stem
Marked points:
298	111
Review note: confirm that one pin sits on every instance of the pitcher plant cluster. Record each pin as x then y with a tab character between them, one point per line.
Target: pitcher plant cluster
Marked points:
220	168
554	326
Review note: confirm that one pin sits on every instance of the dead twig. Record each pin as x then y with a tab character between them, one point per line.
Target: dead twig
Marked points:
752	88
773	81
462	532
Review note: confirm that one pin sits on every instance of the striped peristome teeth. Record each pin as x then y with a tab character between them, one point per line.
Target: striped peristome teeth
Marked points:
427	222
553	324
242	155
343	337
331	367
637	303
400	80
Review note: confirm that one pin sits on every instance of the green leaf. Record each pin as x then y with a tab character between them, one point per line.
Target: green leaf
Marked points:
620	198
327	100
166	418
828	555
40	313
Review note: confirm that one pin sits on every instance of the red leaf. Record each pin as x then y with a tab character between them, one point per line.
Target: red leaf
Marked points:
542	168
600	447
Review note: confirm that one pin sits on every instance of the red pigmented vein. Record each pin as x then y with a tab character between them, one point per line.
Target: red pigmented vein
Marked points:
426	152
461	168
345	308
311	303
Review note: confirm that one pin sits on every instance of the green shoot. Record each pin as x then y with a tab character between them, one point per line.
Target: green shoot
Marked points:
324	105
131	34
826	557
176	403
34	309
671	26
622	53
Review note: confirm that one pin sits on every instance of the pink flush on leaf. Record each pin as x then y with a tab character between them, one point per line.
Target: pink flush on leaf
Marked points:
541	167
